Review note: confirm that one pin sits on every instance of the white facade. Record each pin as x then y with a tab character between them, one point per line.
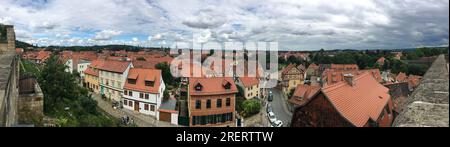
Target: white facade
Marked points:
82	66
154	100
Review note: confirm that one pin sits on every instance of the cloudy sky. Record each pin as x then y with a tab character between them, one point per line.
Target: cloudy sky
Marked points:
294	24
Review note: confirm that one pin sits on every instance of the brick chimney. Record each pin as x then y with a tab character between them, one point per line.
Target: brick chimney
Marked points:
349	79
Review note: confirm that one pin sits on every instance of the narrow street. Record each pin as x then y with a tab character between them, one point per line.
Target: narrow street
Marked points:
279	107
139	119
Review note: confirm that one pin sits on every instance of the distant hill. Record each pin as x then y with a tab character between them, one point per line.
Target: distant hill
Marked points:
20	44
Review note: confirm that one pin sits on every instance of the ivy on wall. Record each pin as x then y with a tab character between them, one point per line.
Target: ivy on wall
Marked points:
3	34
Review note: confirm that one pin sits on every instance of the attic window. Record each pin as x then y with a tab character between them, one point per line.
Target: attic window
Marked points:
226	85
150	83
132	81
198	87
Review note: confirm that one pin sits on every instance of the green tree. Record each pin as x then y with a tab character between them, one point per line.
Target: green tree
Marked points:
166	74
251	107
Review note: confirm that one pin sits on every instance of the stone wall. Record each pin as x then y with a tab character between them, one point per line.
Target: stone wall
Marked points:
428	104
31	106
10	45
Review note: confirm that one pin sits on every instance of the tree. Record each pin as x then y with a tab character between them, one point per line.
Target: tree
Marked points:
166	74
66	100
166	95
251	107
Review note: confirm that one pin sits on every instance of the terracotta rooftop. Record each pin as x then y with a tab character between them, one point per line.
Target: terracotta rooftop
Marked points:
288	68
333	77
114	66
401	77
142	75
303	93
211	86
364	100
249	81
344	66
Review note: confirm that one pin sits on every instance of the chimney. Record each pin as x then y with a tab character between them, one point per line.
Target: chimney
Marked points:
349	79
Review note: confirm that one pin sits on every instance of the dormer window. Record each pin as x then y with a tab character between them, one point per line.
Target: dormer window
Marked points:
132	81
150	83
198	87
226	85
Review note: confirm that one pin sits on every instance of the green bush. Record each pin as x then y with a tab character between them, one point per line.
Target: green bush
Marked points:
251	107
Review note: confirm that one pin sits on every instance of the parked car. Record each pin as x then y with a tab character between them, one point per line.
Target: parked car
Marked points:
278	123
270	99
269	108
271	117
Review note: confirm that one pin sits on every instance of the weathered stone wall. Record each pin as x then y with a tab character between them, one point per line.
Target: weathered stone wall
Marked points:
31	107
428	104
10	45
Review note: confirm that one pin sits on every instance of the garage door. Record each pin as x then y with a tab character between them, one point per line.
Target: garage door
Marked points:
164	116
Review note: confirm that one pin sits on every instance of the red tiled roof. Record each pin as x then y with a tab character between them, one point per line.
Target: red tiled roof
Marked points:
303	93
344	66
141	75
211	86
43	55
249	81
364	100
114	66
288	68
333	77
401	77
414	80
90	71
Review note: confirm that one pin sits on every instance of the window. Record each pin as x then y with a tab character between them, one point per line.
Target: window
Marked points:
132	81
219	103
130	103
125	92
152	108
130	93
141	95
208	104
198	104
228	102
146	107
149	83
146	96
112	83
125	102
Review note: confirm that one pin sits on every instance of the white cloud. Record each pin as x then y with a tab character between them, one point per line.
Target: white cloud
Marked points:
106	34
295	24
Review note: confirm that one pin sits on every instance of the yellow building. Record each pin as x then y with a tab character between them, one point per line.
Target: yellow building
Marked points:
291	76
250	86
91	78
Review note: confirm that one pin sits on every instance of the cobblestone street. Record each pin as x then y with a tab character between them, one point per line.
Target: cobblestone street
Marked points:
139	119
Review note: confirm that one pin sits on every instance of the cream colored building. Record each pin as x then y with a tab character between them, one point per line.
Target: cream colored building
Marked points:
250	86
112	76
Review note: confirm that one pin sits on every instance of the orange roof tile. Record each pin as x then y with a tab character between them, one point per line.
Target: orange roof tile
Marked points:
249	81
141	75
114	66
212	86
364	100
90	71
401	77
303	93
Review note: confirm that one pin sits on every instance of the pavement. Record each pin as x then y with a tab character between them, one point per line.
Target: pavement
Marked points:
279	106
139	119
